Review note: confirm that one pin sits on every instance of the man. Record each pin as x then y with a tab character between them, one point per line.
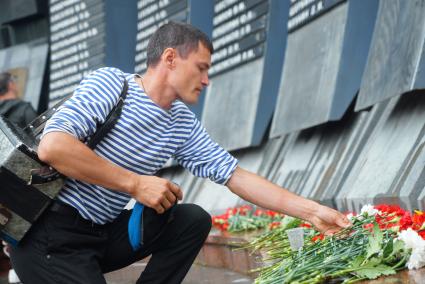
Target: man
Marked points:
11	107
85	234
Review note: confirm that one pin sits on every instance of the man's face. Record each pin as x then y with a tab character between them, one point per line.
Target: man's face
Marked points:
12	87
190	74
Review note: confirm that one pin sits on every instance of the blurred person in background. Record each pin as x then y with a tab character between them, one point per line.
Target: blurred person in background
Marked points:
17	111
20	113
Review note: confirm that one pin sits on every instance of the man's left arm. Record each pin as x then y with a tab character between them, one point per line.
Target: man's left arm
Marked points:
266	194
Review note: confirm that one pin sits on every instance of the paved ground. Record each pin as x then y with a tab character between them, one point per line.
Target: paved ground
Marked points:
197	275
203	275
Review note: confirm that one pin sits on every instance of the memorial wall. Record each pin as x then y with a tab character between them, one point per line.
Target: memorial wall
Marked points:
391	164
321	97
249	39
327	48
396	60
86	35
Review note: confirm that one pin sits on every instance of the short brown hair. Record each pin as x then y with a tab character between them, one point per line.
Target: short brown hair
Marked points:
181	36
5	78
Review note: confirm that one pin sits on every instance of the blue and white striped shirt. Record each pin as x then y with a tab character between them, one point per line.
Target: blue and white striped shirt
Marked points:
142	141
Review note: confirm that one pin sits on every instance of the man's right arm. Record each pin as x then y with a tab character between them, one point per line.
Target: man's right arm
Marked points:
76	160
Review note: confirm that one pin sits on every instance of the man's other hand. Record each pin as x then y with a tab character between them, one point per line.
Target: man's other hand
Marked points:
157	193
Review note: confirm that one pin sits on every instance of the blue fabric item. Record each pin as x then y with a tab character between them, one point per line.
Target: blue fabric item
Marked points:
134	226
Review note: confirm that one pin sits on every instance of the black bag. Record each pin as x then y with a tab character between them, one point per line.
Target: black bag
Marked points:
27	185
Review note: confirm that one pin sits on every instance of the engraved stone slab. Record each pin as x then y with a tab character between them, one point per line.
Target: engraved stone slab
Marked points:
390	167
86	35
324	65
395	55
250	42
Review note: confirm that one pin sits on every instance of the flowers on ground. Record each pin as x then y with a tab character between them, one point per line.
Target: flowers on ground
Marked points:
245	218
383	239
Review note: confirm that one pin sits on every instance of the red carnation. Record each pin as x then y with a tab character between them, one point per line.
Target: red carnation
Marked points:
418	220
405	221
317	238
305	225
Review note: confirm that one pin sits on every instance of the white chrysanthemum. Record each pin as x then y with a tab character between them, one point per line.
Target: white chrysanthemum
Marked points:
416	260
411	238
413	241
368	210
350	217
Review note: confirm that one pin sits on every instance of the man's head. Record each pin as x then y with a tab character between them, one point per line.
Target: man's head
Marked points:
185	53
8	87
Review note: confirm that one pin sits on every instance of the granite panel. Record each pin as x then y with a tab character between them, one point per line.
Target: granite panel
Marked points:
394	53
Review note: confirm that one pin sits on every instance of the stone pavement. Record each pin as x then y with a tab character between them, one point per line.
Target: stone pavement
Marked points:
198	274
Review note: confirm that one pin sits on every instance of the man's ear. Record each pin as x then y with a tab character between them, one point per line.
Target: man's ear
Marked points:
169	57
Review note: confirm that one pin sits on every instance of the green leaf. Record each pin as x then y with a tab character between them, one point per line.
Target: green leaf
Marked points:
357	262
398	246
374	261
398	250
373	272
375	241
389	248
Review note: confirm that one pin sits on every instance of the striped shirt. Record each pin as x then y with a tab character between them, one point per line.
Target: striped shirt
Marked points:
142	141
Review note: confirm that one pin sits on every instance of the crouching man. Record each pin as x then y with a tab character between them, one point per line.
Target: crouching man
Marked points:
86	234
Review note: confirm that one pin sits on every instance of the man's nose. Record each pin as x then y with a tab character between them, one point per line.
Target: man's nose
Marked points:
205	80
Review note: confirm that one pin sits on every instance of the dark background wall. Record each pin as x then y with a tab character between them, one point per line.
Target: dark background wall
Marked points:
324	97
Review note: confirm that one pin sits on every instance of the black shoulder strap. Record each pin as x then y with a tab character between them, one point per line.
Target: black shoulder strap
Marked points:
110	120
46	173
36	127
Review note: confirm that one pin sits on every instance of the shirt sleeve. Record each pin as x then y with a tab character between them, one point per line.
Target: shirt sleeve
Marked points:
204	157
90	104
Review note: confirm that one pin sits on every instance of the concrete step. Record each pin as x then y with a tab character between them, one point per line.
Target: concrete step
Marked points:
222	250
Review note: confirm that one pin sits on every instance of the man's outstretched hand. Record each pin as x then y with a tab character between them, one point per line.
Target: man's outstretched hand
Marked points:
328	221
266	194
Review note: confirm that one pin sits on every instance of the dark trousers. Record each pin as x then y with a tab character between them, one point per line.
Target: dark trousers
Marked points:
62	247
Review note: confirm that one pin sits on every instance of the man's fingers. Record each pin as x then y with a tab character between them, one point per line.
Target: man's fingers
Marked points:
176	190
329	232
343	221
171	197
159	209
166	203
